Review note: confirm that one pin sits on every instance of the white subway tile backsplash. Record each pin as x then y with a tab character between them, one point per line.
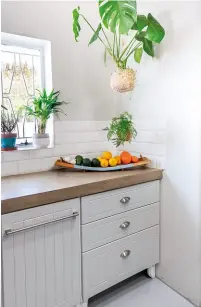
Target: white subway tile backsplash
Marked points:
16	155
41	153
80	137
30	166
88	139
73	126
9	168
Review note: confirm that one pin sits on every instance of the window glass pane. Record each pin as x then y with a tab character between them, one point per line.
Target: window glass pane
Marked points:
21	75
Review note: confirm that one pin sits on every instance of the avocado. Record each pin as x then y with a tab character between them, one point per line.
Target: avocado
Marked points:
95	162
79	160
86	162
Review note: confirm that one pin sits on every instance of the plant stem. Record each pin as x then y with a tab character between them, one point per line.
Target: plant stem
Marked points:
106	38
113	50
131	42
138	45
131	46
109	50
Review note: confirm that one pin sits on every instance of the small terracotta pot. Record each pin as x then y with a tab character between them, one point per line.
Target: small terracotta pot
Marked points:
123	80
8	141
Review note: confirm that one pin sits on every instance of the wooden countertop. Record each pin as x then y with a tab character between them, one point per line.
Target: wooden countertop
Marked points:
32	190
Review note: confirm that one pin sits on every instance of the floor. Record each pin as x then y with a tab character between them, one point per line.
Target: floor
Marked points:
139	291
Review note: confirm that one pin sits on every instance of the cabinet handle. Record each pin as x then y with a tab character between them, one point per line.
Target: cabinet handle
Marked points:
124	225
125	254
125	200
12	231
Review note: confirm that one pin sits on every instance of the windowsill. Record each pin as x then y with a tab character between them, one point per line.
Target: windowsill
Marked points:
27	147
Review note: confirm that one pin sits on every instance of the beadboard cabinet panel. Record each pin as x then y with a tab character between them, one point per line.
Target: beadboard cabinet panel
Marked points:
101	205
41	265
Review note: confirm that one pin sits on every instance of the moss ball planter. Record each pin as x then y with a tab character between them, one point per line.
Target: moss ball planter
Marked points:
123	80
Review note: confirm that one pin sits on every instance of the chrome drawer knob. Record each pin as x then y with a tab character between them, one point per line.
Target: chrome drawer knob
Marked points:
124	225
125	254
125	200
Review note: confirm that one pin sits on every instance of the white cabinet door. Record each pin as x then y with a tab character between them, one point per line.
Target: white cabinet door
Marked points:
41	256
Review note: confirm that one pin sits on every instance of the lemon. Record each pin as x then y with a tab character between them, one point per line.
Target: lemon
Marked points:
118	158
99	158
112	162
107	155
104	163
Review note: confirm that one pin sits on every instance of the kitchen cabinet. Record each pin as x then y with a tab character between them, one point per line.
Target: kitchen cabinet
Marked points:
41	257
62	254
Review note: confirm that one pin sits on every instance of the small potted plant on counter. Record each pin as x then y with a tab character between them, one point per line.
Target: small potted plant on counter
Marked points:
41	109
8	127
119	23
121	129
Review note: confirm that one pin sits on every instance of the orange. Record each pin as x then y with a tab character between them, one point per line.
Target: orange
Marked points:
125	157
118	158
134	159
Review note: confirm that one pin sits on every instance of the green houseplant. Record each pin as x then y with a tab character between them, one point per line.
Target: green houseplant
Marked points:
120	20
9	122
121	129
41	109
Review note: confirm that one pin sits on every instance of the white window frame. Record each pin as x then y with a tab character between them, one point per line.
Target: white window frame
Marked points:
44	47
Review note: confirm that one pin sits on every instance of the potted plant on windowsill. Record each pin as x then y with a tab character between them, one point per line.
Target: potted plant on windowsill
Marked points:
8	126
121	129
41	109
120	18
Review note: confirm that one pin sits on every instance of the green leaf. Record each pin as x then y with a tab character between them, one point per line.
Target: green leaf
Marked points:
118	15
148	47
141	23
76	25
140	36
138	54
155	31
96	34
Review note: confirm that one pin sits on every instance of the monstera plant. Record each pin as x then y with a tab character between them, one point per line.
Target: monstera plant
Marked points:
120	22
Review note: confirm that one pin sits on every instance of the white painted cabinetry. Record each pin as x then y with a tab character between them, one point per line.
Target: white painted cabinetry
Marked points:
42	251
41	256
120	236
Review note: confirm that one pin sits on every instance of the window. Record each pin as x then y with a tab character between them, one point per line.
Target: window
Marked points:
25	67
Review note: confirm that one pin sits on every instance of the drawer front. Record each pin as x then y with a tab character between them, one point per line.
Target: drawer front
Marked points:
105	266
104	231
95	207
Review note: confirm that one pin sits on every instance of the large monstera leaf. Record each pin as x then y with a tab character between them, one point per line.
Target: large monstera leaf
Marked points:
118	15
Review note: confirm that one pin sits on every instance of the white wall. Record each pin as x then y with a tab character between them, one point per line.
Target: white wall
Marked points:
78	70
169	90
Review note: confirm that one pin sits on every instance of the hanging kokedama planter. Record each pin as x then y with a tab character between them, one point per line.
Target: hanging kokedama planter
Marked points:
123	80
122	20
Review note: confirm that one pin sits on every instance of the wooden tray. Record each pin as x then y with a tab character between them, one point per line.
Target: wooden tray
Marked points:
143	163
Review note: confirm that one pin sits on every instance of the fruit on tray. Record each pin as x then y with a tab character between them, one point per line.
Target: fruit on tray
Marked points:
104	163
105	160
118	158
107	155
79	160
125	157
112	162
87	162
134	159
95	162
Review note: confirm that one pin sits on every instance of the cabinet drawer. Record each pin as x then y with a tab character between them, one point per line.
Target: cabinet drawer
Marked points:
105	266
95	207
104	231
